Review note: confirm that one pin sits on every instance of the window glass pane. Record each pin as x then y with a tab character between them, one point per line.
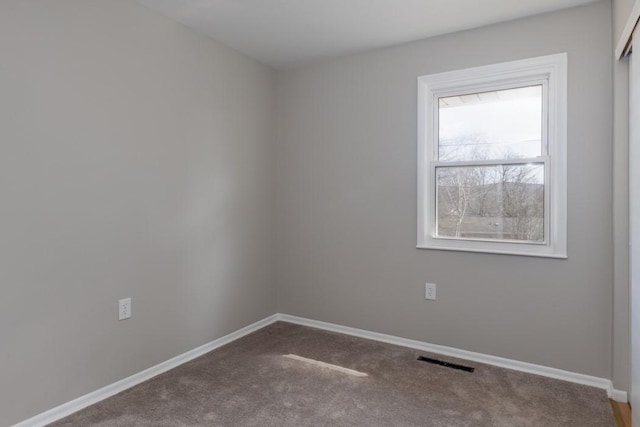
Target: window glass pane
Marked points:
504	202
500	124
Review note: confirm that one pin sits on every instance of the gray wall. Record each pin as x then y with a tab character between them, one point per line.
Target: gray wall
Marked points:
621	12
347	202
137	160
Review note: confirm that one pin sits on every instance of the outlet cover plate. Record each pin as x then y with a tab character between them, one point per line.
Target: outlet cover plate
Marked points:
430	291
124	309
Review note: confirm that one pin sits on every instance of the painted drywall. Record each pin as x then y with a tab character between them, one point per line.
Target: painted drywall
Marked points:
137	161
620	352
621	12
347	202
621	225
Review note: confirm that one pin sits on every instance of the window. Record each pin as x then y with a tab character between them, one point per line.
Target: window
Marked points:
492	158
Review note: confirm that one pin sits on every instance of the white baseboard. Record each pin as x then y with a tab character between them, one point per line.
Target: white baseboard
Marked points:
619	395
603	383
75	405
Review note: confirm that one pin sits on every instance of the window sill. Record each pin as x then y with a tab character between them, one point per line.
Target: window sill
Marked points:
495	251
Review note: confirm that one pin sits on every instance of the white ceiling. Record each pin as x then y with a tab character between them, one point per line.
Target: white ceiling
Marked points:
289	33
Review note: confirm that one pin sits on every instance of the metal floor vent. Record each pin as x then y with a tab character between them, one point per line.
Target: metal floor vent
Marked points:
446	364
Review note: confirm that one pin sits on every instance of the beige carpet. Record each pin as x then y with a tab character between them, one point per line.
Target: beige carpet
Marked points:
250	383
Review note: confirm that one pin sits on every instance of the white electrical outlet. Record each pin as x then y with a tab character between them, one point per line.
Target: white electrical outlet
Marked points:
430	291
124	309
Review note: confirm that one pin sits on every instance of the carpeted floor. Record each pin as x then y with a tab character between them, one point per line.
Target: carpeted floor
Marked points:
250	383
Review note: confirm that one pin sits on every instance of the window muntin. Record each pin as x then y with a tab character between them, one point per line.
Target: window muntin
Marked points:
492	140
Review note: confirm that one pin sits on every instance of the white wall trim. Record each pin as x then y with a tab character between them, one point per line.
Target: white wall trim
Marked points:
550	73
603	383
96	396
624	43
619	395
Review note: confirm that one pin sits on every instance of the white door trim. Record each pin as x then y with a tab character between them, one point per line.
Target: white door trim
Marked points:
634	231
624	43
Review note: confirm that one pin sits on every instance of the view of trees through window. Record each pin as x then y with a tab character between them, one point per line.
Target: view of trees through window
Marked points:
503	202
495	190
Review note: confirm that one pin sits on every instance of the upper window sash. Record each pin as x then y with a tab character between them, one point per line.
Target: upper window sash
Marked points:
492	86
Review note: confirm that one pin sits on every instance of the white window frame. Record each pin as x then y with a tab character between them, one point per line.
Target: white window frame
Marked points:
551	72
